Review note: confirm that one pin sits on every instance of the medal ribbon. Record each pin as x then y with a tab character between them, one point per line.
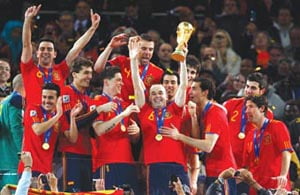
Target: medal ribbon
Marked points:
160	119
46	79
48	133
119	109
81	97
206	108
144	72
258	137
244	120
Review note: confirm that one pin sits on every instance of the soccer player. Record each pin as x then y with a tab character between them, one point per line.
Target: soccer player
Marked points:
214	137
163	156
267	150
115	130
42	124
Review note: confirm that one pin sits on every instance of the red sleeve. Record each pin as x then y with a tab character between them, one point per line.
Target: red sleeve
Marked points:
282	142
26	67
64	68
33	115
118	61
65	126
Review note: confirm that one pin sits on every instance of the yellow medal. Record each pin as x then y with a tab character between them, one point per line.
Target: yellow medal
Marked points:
123	128
39	74
45	146
158	137
241	135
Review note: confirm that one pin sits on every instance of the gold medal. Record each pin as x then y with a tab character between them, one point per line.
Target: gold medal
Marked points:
256	161
39	74
241	135
45	146
123	128
158	137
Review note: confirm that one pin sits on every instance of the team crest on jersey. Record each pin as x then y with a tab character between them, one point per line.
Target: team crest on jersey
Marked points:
56	76
66	99
151	116
267	139
92	107
148	80
33	113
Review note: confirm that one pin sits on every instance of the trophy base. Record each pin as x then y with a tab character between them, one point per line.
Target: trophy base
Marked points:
178	56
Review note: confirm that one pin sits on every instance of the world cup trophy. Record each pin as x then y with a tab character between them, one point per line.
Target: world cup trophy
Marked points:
184	32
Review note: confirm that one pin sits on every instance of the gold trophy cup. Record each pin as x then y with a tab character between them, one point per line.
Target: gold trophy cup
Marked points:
184	32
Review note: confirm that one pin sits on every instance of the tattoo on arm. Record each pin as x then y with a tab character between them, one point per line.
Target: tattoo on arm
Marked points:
110	128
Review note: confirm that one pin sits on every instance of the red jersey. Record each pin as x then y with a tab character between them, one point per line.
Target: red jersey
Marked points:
152	76
234	109
71	97
42	159
221	157
113	146
275	140
166	150
34	80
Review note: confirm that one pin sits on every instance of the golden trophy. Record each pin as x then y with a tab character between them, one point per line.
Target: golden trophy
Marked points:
184	32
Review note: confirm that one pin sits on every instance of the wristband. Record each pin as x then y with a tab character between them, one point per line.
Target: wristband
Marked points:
28	166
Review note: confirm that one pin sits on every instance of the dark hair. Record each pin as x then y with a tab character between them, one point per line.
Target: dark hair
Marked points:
193	62
259	78
206	84
168	72
110	72
43	39
259	101
276	46
52	86
79	63
146	37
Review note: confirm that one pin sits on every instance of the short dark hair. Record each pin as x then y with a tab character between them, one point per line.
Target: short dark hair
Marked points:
79	63
259	101
259	78
146	37
110	72
206	84
43	39
168	72
52	86
193	62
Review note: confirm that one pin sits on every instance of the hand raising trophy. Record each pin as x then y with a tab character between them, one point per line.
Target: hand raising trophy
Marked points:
184	32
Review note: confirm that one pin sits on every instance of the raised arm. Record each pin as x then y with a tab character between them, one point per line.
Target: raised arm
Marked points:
192	108
138	86
40	128
180	96
115	42
72	134
30	13
84	39
102	127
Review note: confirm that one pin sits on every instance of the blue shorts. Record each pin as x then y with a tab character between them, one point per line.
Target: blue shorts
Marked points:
77	172
118	174
159	178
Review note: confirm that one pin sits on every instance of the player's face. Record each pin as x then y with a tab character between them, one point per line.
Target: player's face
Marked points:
146	51
253	112
115	84
171	85
196	94
83	77
4	71
46	53
191	74
252	89
158	97
49	99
